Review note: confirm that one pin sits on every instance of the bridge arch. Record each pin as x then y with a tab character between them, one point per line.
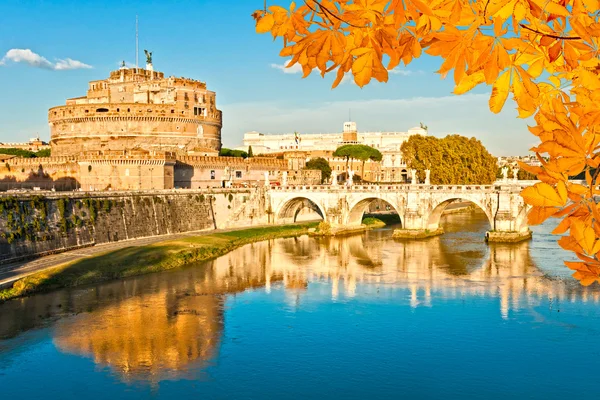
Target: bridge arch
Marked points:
358	208
290	208
433	221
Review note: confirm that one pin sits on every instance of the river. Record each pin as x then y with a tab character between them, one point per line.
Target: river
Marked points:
358	317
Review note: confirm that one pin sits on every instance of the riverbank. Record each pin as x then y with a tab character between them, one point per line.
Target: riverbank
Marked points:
140	260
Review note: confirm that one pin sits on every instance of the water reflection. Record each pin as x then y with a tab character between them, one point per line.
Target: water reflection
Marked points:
168	325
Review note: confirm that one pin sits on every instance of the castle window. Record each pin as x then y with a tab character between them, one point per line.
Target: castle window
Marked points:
87	111
172	111
118	110
238	174
102	110
129	110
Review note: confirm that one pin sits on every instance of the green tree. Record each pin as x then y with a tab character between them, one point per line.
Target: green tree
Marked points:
18	152
452	160
225	152
250	153
322	165
43	153
359	152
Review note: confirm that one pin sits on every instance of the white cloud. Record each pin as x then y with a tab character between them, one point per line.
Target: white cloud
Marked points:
35	60
468	115
404	72
295	69
70	64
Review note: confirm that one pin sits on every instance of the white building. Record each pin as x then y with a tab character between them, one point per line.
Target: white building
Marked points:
391	168
276	143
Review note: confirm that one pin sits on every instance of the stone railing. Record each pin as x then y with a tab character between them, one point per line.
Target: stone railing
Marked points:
393	188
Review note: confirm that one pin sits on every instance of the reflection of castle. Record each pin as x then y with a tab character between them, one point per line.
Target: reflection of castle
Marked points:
162	325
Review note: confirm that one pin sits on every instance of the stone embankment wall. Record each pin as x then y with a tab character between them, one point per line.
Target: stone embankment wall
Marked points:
32	224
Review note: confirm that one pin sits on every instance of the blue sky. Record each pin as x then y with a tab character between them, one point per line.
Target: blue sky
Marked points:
214	41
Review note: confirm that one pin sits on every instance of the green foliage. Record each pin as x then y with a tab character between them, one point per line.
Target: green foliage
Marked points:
43	153
322	165
250	153
225	152
25	153
63	223
452	160
371	221
358	152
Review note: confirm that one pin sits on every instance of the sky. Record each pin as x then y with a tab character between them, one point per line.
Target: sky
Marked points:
51	49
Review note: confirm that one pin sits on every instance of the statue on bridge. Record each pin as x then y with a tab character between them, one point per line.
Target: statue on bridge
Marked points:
505	174
427	175
350	178
267	183
515	174
413	176
334	181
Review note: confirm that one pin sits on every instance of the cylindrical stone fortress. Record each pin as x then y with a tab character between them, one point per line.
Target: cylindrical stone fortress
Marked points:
138	109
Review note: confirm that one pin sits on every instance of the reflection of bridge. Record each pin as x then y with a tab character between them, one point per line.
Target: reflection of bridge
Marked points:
164	325
420	207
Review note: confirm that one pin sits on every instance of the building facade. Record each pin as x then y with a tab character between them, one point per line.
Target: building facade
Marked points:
34	144
392	167
138	109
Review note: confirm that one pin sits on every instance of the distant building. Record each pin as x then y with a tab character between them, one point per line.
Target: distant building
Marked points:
34	144
392	168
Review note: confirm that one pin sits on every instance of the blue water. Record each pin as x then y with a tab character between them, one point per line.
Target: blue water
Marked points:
358	317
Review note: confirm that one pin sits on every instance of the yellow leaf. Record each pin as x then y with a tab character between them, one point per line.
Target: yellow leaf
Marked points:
265	24
542	195
468	82
556	9
500	92
584	235
537	215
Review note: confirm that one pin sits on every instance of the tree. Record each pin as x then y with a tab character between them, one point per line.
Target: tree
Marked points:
452	160
544	53
358	152
322	165
225	152
25	153
250	154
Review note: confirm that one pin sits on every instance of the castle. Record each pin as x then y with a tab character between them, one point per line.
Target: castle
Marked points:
140	130
138	109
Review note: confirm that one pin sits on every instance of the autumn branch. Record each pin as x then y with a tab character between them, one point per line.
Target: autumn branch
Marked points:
552	36
326	11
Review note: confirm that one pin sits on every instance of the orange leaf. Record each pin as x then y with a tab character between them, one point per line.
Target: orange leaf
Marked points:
500	92
537	215
542	195
265	24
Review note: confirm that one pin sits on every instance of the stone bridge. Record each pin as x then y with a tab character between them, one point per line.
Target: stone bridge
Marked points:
419	207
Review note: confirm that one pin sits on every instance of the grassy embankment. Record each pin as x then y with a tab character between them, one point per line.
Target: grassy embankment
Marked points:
139	260
373	223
